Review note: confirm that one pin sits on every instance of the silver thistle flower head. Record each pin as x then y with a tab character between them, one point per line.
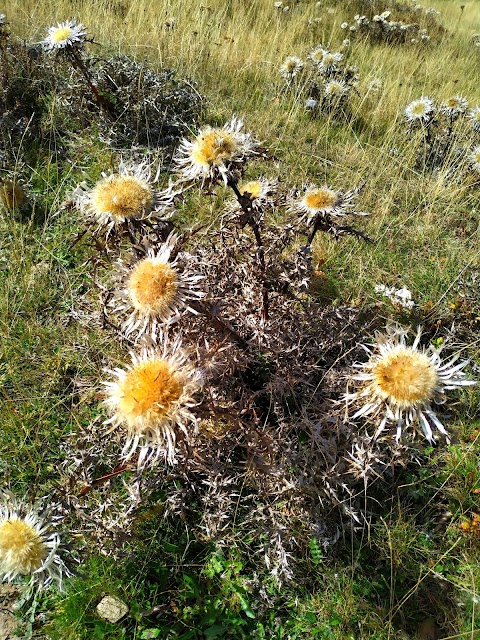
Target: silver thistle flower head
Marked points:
66	35
127	196
153	289
216	153
420	111
152	399
29	543
291	67
400	382
325	201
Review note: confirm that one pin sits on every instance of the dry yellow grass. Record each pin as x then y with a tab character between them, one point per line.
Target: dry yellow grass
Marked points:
237	47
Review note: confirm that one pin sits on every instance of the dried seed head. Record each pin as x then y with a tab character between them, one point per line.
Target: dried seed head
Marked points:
404	377
21	547
11	195
148	392
122	198
152	286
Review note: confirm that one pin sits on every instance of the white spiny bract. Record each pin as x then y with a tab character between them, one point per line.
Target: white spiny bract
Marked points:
66	35
29	543
215	154
400	383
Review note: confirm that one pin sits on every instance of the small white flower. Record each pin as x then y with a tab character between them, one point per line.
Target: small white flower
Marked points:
65	35
401	297
291	67
420	110
311	104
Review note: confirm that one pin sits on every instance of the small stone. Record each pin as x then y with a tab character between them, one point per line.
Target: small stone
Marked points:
111	609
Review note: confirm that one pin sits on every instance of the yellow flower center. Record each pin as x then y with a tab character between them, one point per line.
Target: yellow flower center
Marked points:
453	103
334	88
213	147
149	390
152	286
419	109
254	188
61	34
21	547
11	195
122	197
317	199
328	59
405	377
317	56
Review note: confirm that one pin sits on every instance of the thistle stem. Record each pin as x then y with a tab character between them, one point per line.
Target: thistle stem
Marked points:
327	225
248	219
79	64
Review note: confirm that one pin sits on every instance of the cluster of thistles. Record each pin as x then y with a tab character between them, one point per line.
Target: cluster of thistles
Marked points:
326	80
449	132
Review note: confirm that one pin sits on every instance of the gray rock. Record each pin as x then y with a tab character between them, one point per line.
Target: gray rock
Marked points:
111	609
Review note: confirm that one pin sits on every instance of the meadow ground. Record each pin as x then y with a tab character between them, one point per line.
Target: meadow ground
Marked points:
264	528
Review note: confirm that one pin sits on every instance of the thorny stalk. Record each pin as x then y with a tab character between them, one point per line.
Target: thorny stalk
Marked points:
79	64
325	223
209	312
249	219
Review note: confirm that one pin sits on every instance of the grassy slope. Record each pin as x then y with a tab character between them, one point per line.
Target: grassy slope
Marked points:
234	53
233	49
